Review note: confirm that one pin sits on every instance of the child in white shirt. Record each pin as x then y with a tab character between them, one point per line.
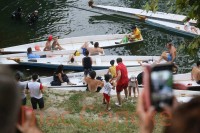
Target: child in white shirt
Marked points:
107	91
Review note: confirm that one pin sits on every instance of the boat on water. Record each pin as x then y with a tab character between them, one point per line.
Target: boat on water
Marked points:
143	14
99	62
167	21
77	78
74	43
178	28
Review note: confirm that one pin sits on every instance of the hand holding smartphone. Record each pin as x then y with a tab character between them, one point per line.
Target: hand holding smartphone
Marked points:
159	91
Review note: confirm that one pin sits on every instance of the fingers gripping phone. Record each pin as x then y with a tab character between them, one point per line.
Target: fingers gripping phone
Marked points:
161	82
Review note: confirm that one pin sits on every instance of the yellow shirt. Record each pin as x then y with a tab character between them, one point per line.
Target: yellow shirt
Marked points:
137	34
112	70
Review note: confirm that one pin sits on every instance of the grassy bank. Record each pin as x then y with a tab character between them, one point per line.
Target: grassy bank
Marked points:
81	112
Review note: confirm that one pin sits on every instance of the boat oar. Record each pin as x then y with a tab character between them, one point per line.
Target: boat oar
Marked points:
14	59
140	16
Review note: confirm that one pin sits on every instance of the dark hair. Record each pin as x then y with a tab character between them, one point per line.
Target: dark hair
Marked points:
198	63
112	62
59	69
96	44
35	76
17	76
72	59
186	118
29	50
170	44
92	74
133	27
9	101
119	60
86	52
107	77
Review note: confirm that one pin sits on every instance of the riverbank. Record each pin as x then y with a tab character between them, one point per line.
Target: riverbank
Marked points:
76	111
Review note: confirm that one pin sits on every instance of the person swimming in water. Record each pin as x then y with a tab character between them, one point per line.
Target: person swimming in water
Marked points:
17	14
33	17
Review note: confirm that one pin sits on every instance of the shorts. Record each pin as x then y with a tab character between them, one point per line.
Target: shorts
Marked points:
169	57
198	82
107	97
87	71
120	88
131	84
35	101
84	50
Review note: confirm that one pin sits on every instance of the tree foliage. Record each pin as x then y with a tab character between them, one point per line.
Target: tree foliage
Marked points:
189	7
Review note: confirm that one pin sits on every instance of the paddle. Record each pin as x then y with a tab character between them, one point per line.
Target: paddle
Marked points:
140	16
14	59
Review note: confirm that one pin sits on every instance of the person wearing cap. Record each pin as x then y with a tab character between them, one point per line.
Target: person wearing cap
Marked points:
48	43
133	83
169	55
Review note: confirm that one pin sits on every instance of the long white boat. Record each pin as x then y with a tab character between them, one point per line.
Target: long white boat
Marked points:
167	21
143	14
74	43
77	78
99	62
178	28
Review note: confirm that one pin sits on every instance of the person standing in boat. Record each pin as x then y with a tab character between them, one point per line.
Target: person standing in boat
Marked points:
48	43
93	83
30	54
92	50
87	63
169	55
195	74
121	80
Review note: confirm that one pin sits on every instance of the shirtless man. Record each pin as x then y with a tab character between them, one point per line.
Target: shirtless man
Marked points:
169	55
48	43
56	45
93	83
195	74
93	51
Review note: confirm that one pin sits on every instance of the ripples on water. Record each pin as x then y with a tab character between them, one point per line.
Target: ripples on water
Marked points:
59	19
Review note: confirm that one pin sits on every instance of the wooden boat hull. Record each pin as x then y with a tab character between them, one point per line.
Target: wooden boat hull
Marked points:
75	43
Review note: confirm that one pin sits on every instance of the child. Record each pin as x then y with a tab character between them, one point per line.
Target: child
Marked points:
112	69
107	91
133	83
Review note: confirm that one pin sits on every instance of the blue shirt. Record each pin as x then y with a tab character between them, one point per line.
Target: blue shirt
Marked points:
33	56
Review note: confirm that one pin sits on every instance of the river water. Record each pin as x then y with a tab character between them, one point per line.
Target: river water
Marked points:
58	18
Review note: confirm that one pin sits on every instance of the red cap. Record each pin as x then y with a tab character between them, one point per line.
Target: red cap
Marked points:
50	37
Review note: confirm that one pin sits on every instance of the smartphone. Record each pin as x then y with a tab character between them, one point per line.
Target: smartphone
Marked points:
161	82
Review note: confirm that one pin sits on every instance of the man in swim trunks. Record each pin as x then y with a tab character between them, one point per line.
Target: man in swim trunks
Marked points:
169	55
92	50
56	45
195	74
48	43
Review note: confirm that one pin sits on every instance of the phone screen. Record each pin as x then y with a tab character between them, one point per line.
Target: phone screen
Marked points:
161	86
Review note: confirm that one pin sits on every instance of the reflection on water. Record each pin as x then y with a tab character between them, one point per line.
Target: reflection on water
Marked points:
58	18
